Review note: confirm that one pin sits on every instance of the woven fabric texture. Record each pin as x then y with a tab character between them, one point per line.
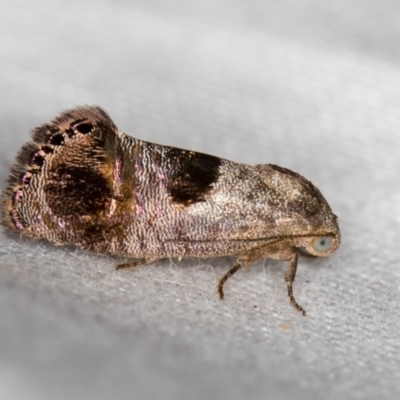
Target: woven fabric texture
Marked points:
308	85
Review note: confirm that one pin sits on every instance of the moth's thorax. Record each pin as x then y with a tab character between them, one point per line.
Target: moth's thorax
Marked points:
300	205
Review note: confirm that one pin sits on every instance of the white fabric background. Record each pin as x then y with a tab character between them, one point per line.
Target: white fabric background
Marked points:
309	85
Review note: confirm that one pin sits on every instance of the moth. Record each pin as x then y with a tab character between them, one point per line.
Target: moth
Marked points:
83	182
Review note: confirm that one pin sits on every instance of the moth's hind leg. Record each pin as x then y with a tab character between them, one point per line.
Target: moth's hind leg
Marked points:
137	263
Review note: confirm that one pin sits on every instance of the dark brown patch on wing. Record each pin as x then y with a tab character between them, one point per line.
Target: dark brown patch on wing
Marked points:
193	175
78	190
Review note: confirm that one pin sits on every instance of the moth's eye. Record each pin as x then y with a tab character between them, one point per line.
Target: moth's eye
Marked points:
84	127
322	244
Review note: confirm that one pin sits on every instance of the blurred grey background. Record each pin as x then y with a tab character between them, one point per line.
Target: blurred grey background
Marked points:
309	85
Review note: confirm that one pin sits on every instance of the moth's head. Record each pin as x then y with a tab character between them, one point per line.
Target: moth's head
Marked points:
320	246
314	217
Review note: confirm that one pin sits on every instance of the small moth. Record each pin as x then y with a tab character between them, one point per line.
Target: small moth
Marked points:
83	182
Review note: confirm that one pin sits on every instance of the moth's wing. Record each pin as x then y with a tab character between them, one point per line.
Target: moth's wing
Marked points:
256	202
62	181
236	205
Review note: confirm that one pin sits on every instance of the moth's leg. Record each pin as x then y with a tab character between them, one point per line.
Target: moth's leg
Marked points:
136	263
279	250
235	268
284	252
290	274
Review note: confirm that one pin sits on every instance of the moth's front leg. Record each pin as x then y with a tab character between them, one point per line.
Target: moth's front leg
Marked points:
290	274
235	268
280	250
